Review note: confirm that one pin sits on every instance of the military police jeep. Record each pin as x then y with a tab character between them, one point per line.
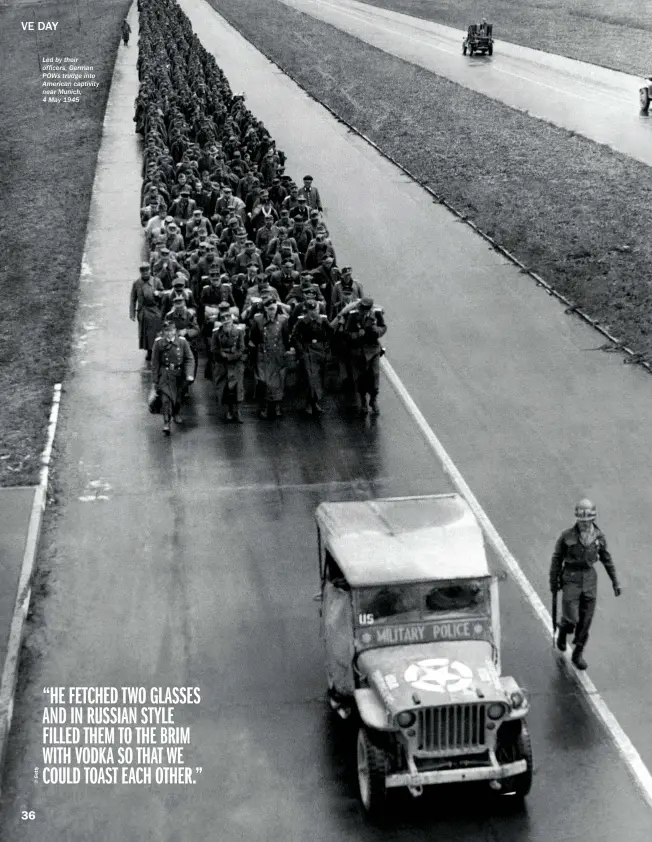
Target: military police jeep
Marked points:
410	621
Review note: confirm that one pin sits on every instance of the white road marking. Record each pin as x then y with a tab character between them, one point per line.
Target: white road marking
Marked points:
624	745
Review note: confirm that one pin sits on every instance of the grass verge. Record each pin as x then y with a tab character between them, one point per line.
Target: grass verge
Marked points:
48	153
570	209
612	33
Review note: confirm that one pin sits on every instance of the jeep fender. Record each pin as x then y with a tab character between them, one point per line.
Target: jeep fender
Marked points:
510	685
372	711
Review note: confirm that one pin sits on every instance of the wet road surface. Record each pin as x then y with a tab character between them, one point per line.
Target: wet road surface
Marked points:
192	561
598	103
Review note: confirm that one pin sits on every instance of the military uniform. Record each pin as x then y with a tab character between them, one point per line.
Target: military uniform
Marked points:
269	338
228	352
186	319
363	328
144	304
310	337
572	570
172	364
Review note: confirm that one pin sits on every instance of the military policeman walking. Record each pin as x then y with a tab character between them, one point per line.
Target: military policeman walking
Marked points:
572	571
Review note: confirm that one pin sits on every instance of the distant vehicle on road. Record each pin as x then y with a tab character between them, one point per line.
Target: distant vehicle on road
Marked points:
411	625
645	95
479	39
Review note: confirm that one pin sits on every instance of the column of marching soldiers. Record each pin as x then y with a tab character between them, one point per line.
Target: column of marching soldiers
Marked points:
241	265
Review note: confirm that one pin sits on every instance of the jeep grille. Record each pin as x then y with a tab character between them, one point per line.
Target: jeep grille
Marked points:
452	728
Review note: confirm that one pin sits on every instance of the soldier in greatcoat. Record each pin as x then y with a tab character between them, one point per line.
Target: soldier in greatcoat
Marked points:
310	338
185	321
228	353
144	306
364	326
269	340
173	367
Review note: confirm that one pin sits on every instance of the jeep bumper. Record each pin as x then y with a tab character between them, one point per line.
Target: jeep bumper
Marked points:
452	776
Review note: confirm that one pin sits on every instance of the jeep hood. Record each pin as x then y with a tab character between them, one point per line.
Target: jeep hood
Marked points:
432	674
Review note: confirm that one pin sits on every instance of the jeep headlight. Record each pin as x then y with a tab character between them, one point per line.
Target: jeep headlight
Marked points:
517	699
406	718
495	711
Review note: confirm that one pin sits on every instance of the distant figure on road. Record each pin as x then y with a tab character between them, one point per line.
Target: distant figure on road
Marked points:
126	32
572	571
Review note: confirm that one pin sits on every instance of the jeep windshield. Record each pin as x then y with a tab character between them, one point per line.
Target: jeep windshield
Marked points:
421	601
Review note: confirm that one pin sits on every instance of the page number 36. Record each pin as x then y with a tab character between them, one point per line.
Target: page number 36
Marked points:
27	815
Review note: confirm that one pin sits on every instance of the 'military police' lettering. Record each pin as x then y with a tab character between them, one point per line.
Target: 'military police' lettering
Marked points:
400	634
459	630
447	630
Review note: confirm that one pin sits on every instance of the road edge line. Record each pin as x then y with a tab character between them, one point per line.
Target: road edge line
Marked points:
637	768
21	606
631	356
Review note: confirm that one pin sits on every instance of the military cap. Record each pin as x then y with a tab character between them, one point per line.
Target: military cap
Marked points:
176	298
346	270
314	214
185	191
144	265
366	303
179	281
224	306
310	304
308	178
267	300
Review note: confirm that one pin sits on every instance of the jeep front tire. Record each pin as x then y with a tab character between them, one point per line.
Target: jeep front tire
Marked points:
514	744
372	771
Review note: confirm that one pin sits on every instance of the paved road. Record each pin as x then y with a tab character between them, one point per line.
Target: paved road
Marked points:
192	561
595	102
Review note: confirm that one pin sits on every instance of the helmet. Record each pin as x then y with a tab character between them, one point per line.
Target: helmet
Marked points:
585	511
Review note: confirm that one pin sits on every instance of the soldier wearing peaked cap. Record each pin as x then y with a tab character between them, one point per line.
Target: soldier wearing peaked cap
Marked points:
145	308
173	367
228	354
310	337
572	570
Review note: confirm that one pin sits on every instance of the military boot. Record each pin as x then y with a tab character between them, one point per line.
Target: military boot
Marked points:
577	659
236	414
561	640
